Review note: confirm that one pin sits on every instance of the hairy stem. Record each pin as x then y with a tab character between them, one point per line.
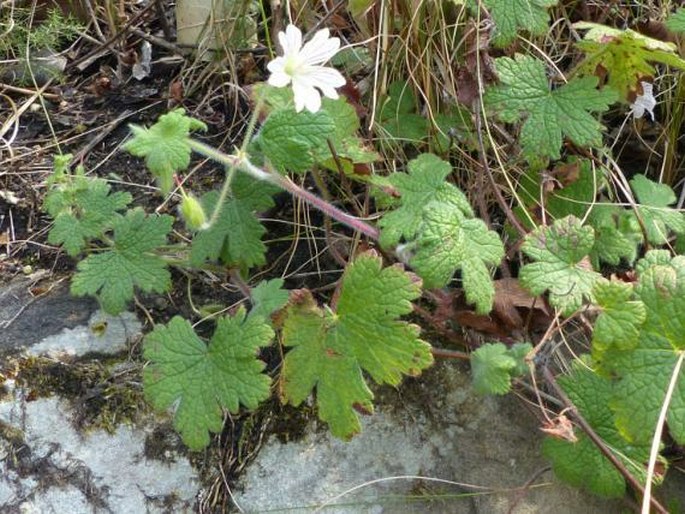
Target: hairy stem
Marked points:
230	174
242	162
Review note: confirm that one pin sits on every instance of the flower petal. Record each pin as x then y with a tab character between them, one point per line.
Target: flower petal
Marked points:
277	65
306	96
326	79
291	39
279	79
313	102
320	48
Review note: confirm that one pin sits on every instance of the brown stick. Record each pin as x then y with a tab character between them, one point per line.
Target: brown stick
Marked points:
450	354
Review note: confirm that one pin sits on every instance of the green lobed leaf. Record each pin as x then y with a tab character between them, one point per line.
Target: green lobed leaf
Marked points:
653	258
581	464
397	115
624	56
658	218
344	138
576	198
618	325
458	122
512	16
201	380
676	21
112	274
274	98
643	372
611	243
164	145
268	297
447	241
291	140
84	209
236	236
493	365
578	187
643	377
560	263
549	114
331	350
661	288
348	146
424	183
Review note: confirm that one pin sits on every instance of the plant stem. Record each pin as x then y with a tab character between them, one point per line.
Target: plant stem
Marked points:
226	188
450	354
327	208
242	162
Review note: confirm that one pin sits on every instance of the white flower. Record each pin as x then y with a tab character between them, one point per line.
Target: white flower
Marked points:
644	102
301	66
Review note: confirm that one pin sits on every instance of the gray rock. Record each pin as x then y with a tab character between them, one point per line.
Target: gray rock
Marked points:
59	469
102	334
25	320
432	447
47	465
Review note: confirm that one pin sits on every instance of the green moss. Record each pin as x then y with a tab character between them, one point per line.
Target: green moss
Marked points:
103	394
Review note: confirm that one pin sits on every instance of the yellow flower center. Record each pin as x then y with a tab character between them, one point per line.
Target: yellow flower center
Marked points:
292	65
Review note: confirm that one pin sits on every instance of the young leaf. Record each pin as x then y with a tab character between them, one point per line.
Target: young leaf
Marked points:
561	265
424	184
112	274
83	208
201	380
274	98
618	325
676	22
397	115
493	365
653	258
330	350
576	197
236	236
164	145
581	464
643	372
510	16
268	297
448	241
624	56
290	140
550	114
455	127
611	243
348	146
657	217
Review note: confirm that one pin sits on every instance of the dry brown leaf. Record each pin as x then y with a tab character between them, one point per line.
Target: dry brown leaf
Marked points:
560	428
509	297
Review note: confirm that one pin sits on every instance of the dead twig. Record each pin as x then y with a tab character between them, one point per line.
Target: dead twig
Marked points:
112	39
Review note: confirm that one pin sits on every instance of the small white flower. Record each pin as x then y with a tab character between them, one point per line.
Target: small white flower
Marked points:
301	66
644	102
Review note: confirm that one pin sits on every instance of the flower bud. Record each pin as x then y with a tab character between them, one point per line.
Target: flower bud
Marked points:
193	213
